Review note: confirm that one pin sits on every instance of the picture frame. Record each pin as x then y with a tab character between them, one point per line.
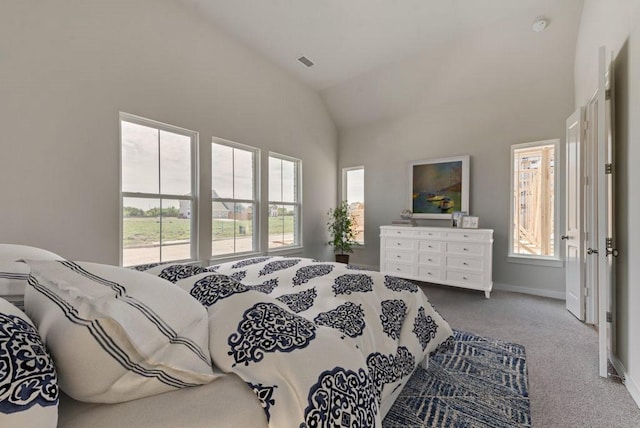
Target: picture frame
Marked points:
456	218
438	187
470	222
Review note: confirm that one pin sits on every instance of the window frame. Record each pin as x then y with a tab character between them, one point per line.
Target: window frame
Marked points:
345	172
255	240
554	260
298	239
193	198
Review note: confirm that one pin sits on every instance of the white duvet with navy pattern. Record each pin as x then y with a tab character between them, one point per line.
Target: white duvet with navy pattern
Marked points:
321	344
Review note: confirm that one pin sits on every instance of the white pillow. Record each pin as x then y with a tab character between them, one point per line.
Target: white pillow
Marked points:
28	382
14	274
13	277
13	253
117	334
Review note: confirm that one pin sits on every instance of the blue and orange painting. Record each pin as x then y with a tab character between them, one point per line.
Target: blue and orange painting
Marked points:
437	187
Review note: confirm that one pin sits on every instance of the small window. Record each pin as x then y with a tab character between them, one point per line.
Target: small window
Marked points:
353	193
533	200
234	201
284	202
157	189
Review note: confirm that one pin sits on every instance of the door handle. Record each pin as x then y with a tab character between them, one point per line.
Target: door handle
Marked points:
591	251
564	237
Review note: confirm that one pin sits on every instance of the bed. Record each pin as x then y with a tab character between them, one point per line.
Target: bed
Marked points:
292	342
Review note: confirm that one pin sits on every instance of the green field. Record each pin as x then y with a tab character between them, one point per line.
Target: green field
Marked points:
145	231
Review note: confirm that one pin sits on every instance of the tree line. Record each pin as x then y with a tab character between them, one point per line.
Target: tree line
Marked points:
152	212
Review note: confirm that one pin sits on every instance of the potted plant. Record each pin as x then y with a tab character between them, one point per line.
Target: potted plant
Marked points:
342	227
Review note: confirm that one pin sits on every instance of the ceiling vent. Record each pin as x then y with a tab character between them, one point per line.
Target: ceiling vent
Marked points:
306	61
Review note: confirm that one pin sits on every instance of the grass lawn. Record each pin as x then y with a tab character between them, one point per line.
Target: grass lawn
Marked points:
145	231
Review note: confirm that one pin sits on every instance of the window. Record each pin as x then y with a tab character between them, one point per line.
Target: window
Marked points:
234	204
353	193
284	202
157	190
533	200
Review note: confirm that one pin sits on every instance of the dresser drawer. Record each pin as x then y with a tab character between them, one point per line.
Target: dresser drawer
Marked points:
429	259
427	273
399	256
464	263
430	234
464	277
431	246
398	268
399	243
399	233
466	248
469	235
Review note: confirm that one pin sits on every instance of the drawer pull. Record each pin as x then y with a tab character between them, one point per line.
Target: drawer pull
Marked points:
398	269
466	236
397	243
430	260
465	249
464	277
398	256
429	246
428	273
465	263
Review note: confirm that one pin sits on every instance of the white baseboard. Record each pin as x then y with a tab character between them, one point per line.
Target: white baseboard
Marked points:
560	295
629	383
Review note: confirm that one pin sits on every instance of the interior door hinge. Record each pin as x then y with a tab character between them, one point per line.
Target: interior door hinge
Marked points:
609	317
586	291
609	242
608	168
607	94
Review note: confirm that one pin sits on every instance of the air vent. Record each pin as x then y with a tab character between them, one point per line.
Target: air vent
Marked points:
306	61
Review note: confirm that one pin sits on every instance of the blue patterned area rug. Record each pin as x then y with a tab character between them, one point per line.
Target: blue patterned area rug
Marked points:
478	383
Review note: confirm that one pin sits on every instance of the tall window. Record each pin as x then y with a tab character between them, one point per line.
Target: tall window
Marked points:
234	201
353	193
157	188
284	201
533	200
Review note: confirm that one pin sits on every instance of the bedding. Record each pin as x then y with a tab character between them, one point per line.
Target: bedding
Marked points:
320	344
117	334
14	273
28	380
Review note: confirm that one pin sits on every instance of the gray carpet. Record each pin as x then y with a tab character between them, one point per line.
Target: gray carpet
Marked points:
477	383
562	355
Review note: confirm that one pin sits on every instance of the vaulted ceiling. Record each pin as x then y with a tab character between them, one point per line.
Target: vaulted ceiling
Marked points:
375	59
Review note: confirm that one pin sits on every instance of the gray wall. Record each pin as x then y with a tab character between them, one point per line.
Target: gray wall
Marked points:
616	25
526	98
68	67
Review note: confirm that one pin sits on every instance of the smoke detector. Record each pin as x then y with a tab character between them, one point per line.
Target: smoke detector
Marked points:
539	24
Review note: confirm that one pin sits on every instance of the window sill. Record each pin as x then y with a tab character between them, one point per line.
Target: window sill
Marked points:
536	261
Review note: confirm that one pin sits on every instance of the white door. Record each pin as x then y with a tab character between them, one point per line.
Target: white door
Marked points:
606	204
574	236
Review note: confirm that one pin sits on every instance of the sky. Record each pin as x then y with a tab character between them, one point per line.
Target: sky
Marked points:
157	161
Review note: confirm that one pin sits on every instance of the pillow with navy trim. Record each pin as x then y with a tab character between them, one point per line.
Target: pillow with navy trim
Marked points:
117	334
14	274
28	381
14	252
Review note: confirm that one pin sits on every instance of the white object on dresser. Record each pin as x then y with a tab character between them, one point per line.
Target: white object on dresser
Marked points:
442	255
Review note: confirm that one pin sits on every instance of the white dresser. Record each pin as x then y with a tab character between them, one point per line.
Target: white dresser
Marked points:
442	255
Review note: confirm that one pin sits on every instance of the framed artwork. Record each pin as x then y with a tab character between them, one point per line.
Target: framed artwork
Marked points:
470	222
439	187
